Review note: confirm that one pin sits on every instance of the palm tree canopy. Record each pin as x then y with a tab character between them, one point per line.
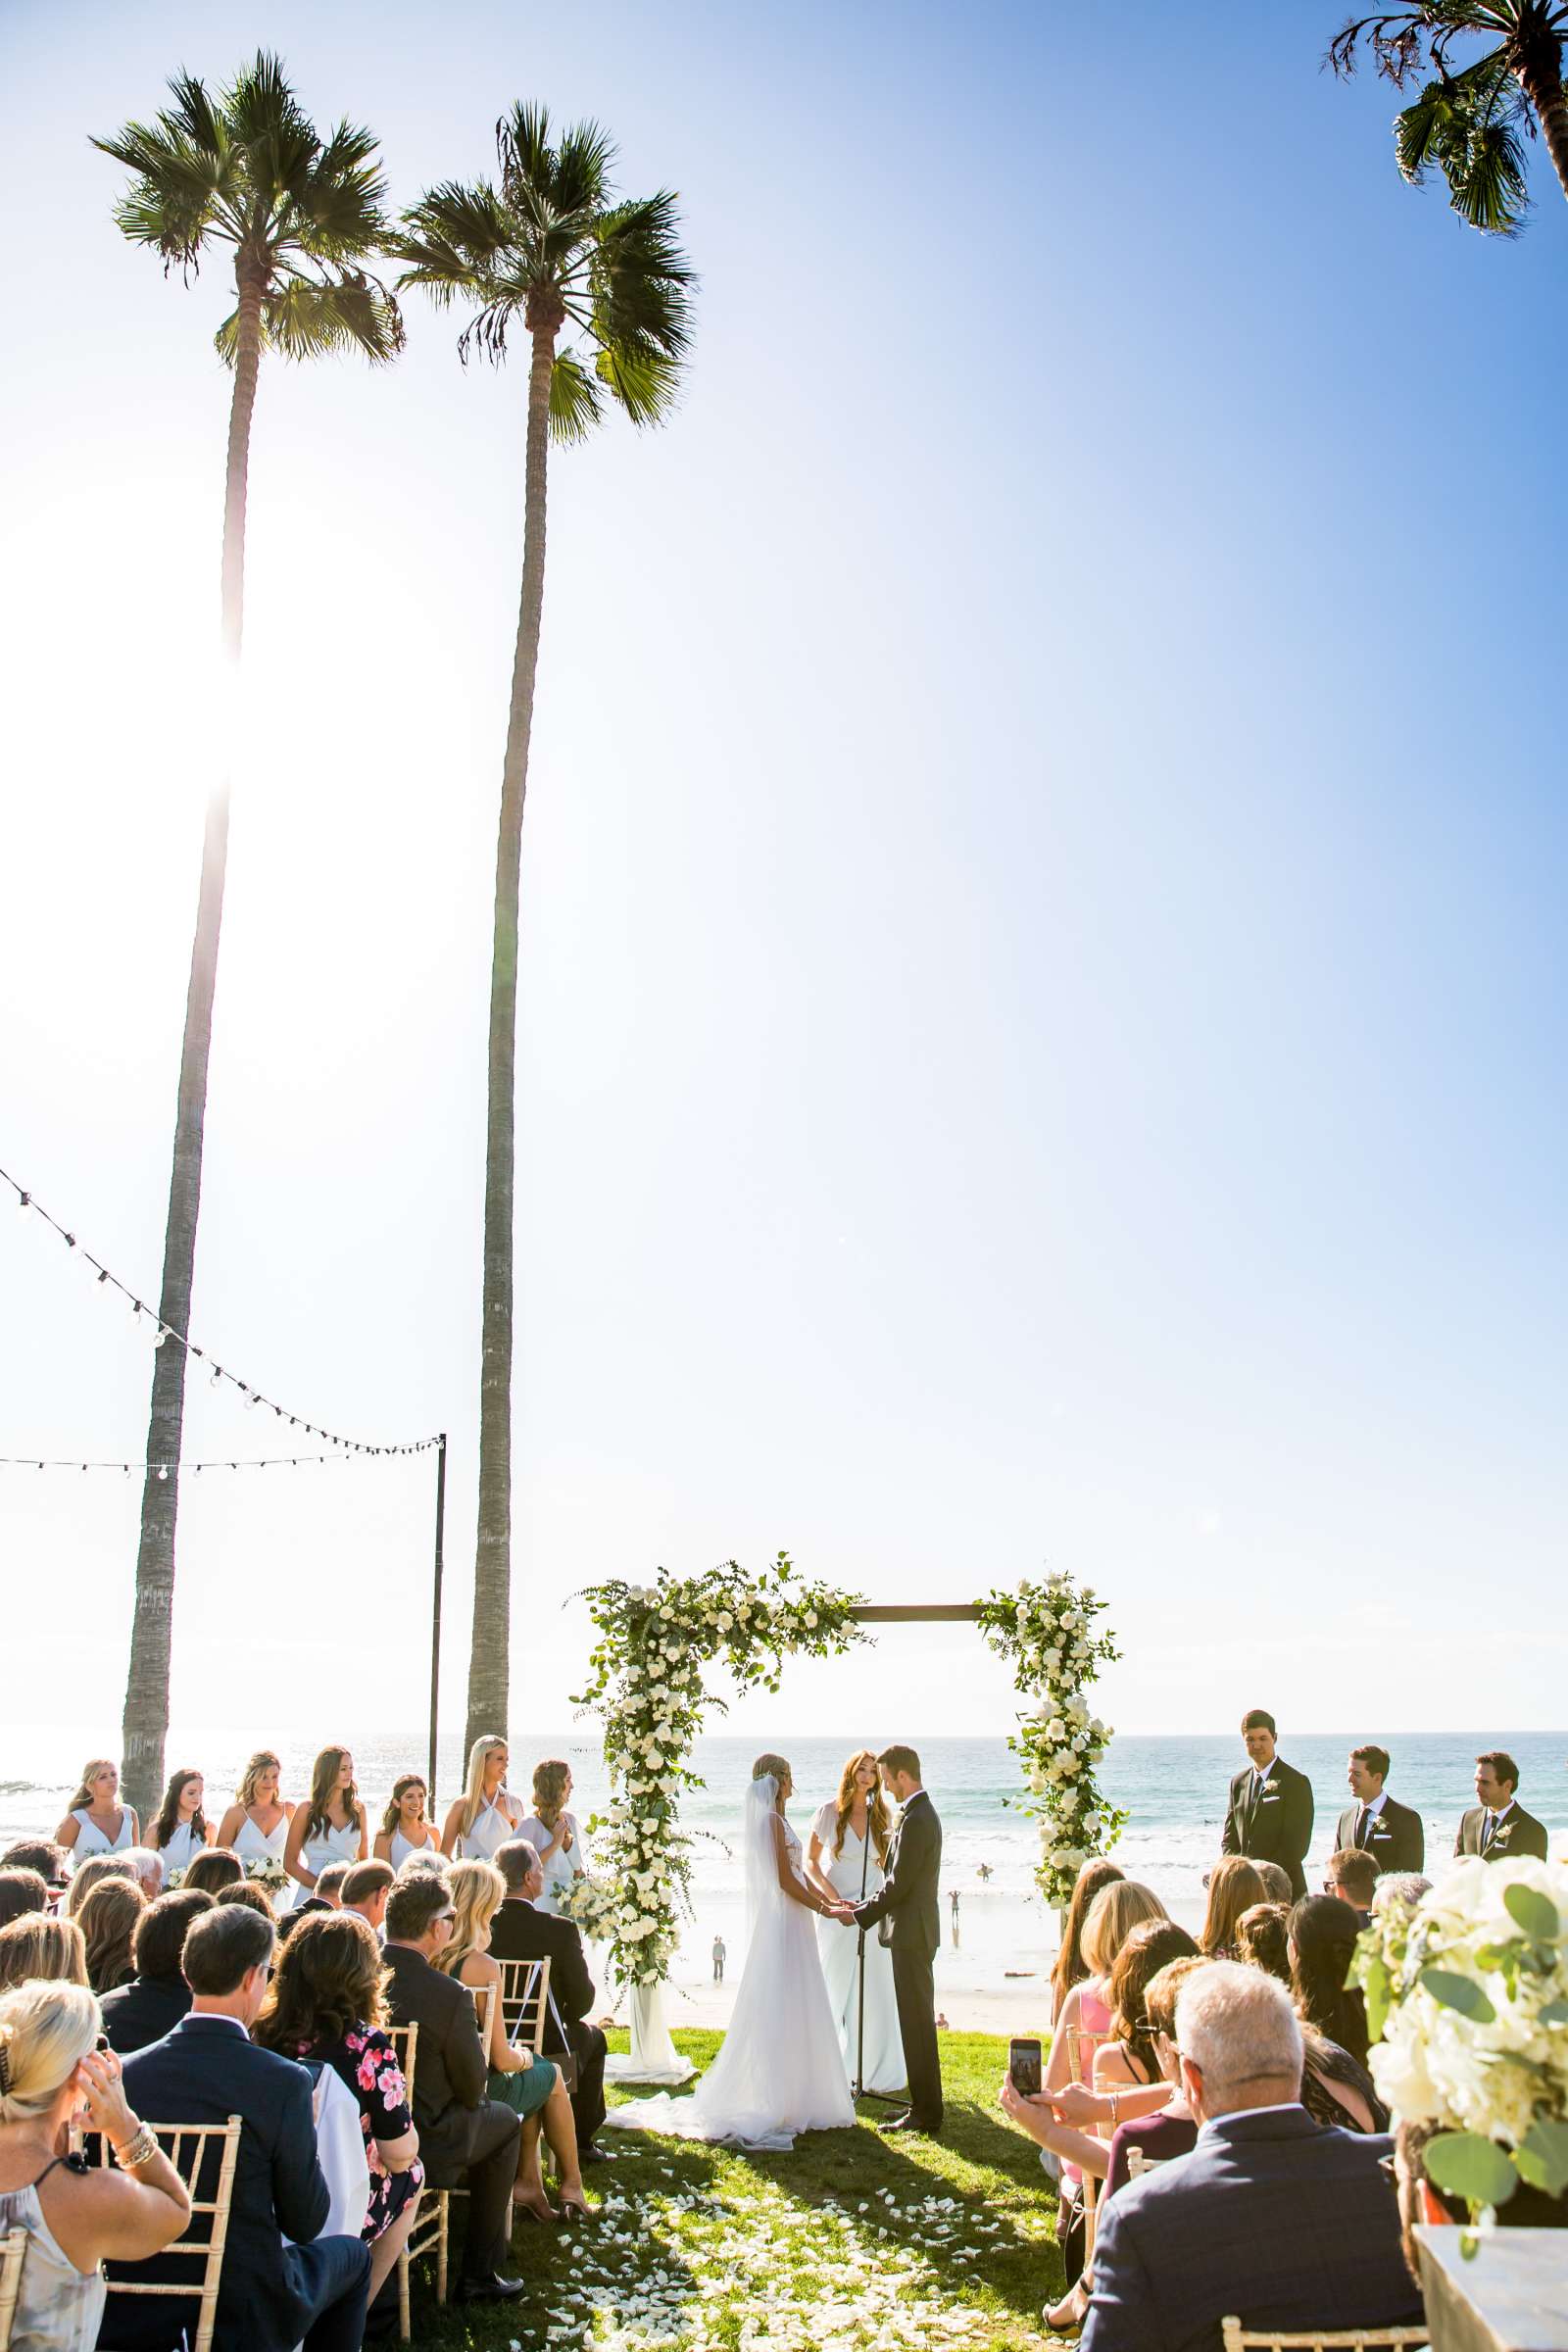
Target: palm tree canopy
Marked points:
1471	121
249	170
550	245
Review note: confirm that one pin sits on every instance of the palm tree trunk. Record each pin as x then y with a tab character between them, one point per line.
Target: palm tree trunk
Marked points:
145	1722
489	1657
1541	80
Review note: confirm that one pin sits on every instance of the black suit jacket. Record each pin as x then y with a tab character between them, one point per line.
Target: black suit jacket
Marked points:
1278	1827
202	2073
1520	1833
143	2011
521	1932
450	2074
906	1908
1395	1837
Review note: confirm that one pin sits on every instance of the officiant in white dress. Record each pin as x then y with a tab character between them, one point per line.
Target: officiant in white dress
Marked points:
845	1857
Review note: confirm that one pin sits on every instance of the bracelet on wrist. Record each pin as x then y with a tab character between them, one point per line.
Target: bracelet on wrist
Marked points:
139	2149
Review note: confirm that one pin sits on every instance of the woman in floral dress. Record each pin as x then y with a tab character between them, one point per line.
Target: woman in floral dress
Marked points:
326	2003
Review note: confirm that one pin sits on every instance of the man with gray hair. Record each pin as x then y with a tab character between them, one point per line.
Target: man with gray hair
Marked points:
1401	1889
1274	2218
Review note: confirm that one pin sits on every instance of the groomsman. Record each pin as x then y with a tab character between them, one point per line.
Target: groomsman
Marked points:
1269	1818
1390	1832
1498	1828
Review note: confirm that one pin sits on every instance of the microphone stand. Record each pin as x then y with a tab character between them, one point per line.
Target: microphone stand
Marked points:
858	2092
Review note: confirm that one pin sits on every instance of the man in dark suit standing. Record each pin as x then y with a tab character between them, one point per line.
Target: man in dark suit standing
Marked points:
1269	1817
1283	2222
906	1912
1498	1828
1391	1833
467	2140
272	2296
518	1931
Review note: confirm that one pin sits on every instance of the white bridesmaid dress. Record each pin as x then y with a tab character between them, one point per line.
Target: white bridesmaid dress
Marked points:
181	1850
492	1827
402	1847
850	1872
253	1846
562	1867
91	1841
327	1845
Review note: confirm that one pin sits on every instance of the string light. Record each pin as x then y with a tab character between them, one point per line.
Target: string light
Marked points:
163	1331
263	1462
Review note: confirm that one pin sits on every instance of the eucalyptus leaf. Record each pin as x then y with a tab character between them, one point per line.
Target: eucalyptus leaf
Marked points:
1375	1990
1459	1992
1542	2156
1533	1911
1467	2166
1555	2013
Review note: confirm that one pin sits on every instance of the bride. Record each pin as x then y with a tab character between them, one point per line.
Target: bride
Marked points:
846	1861
780	2069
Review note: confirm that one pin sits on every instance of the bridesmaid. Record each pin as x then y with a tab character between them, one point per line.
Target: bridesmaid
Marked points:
97	1822
181	1828
331	1828
487	1813
553	1832
404	1829
255	1824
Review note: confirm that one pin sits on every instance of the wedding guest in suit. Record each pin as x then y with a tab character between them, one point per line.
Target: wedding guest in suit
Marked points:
1233	1886
466	2139
1497	1827
1287	2223
520	1930
273	2295
1269	1817
1071	1966
331	1881
181	1828
158	1996
1351	1877
908	1905
97	1823
1390	1832
108	1920
365	1889
20	1891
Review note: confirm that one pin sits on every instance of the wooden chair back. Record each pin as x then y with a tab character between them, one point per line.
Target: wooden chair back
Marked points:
193	2149
13	2254
483	1996
1346	2339
526	2002
431	2232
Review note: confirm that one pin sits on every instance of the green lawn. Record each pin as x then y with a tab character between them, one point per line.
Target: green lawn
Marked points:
851	2244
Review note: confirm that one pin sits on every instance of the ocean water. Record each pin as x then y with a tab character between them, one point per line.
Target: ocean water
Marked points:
1174	1788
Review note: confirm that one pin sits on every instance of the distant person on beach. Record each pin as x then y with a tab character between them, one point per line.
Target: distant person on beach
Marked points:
718	1959
953	1905
1269	1817
1391	1833
1497	1828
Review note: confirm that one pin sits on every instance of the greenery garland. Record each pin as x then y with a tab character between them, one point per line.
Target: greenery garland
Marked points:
1047	1633
654	1643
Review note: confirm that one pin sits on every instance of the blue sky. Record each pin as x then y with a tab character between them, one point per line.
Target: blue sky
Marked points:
1042	1008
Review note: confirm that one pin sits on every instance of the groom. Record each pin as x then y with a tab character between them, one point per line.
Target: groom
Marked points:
906	1910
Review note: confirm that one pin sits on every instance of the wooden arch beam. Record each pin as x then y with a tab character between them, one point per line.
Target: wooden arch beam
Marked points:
935	1612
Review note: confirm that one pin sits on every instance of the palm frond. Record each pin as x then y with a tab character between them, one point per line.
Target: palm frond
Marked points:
644	382
639	277
1468	127
576	404
453	240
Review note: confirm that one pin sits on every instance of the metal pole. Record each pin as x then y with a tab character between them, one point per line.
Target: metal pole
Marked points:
435	1605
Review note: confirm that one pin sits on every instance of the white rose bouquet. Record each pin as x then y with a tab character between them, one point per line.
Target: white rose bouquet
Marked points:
1467	2006
267	1873
592	1904
1047	1631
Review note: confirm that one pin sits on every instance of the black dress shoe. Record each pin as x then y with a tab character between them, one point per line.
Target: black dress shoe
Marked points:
491	2289
592	2155
912	2123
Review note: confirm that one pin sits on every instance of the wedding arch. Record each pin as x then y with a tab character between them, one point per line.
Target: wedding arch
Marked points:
657	1641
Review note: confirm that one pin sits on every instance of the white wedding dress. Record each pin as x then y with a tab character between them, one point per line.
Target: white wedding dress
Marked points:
857	1876
780	2070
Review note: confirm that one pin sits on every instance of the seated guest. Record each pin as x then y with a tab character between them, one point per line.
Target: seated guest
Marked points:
1405	1887
1263	1939
20	1891
1071	1966
158	1996
1391	1833
520	1930
365	1889
429	1862
1283	2222
1170	2130
466	2139
181	1828
1336	2088
1497	1827
328	2001
532	2086
92	1873
329	1881
252	1896
1351	1877
39	1854
213	1869
146	1868
51	2078
108	1921
1276	1880
36	1945
272	2296
1233	1886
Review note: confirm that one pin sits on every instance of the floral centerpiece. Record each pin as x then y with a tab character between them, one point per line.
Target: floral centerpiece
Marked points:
1467	2006
591	1902
654	1643
1047	1633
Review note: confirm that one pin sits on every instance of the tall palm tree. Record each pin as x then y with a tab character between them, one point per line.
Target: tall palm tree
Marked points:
549	245
1472	119
246	169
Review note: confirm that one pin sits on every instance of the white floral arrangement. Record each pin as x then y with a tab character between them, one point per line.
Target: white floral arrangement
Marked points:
266	1872
654	1643
591	1902
1047	1631
1467	2008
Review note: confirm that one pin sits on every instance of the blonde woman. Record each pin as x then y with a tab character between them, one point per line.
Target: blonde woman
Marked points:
37	1945
404	1829
97	1823
553	1831
51	2077
331	1828
1233	1886
846	1861
92	1873
256	1826
487	1813
531	2086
